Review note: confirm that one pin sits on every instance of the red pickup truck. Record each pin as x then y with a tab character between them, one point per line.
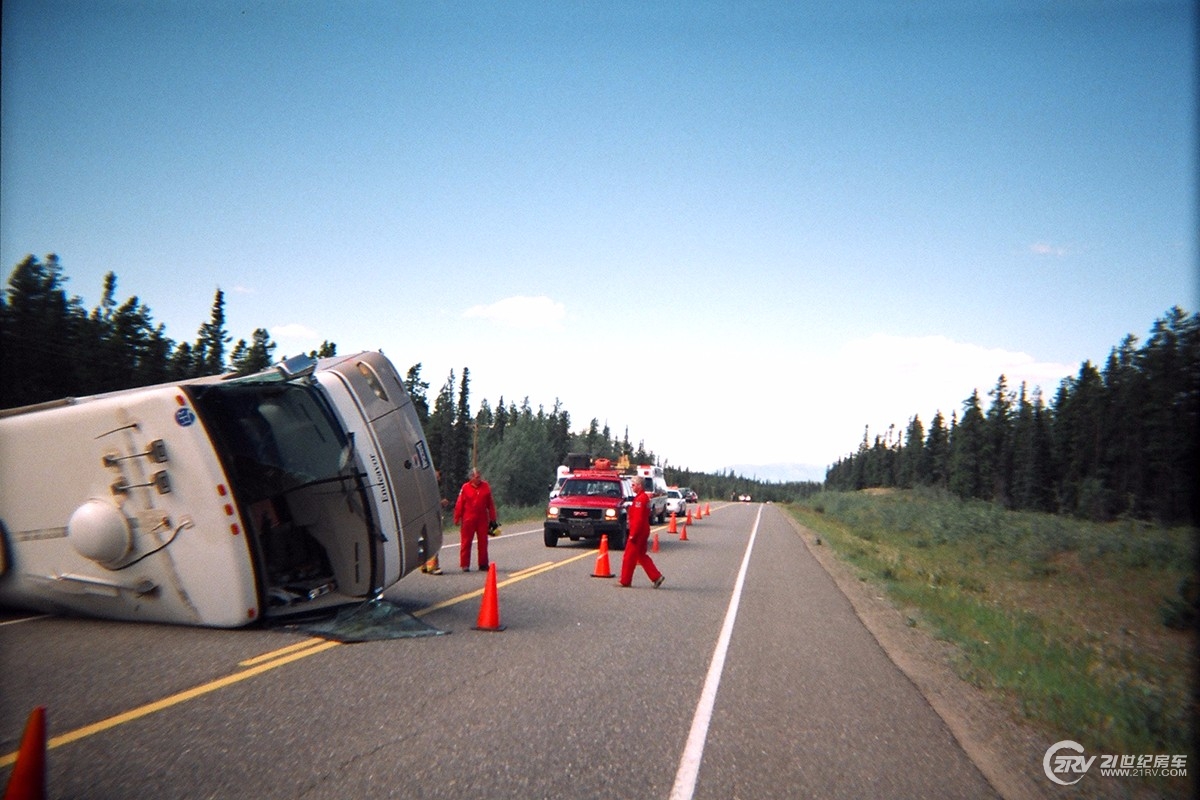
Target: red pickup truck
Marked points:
590	504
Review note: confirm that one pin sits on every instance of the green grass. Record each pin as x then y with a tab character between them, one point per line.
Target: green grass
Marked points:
1083	627
519	514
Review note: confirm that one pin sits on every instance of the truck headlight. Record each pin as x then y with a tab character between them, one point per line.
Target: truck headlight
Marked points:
610	513
552	512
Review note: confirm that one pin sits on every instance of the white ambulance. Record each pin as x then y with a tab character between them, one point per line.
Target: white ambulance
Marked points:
655	485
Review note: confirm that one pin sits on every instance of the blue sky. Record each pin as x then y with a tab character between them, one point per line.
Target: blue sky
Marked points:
691	220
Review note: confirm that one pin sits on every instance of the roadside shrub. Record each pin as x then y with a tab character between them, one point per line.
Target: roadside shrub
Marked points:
1183	610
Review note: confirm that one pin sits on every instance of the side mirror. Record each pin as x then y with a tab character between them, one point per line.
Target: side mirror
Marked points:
297	367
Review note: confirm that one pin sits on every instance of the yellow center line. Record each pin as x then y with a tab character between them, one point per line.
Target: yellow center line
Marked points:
516	577
173	700
263	663
250	662
532	569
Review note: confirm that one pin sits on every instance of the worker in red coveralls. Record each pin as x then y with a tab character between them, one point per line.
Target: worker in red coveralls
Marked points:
639	535
475	511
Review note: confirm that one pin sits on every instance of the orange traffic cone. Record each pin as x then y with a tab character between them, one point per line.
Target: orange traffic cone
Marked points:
689	517
654	547
28	778
603	570
671	528
683	533
489	610
699	511
708	509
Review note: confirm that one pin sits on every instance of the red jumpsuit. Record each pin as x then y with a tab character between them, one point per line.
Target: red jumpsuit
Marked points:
475	511
635	544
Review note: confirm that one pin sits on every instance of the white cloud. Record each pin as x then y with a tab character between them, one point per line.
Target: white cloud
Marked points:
293	330
293	338
520	311
1046	249
886	380
919	360
811	407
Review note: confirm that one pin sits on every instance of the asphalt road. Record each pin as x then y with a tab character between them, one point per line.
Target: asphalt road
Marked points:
591	691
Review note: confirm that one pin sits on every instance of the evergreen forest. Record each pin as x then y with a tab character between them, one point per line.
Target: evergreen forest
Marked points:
1117	441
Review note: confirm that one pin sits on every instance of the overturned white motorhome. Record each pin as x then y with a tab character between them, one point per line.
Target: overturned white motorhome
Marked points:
218	501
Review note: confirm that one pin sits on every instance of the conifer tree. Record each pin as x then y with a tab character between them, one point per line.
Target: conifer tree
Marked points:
608	447
1079	441
912	455
418	392
1032	474
968	477
99	359
209	351
246	359
937	449
560	432
502	416
133	346
41	334
1170	362
460	464
1125	448
591	437
997	453
182	363
439	434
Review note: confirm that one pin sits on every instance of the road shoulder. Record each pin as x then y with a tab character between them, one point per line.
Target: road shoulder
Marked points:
1007	753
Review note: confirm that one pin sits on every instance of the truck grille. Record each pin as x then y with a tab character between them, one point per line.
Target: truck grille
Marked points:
580	514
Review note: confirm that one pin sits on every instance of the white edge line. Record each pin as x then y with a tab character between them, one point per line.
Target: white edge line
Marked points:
693	752
448	545
25	619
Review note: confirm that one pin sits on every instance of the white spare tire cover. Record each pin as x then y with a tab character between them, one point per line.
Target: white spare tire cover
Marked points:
99	531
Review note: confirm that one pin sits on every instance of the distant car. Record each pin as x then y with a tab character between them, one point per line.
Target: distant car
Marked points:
689	495
745	498
676	502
